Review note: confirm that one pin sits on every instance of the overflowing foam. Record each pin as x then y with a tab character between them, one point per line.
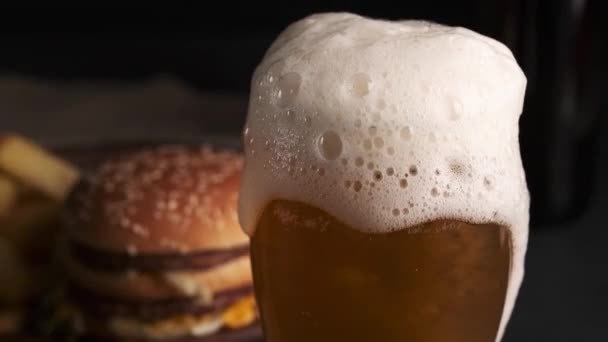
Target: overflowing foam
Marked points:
386	125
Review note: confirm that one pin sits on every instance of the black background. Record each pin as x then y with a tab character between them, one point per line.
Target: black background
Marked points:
216	45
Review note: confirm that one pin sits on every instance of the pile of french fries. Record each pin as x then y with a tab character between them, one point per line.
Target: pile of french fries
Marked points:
34	184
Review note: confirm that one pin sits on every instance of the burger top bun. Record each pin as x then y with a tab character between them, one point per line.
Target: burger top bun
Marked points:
166	200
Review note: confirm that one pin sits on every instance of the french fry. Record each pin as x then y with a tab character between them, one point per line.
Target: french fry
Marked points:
37	168
8	195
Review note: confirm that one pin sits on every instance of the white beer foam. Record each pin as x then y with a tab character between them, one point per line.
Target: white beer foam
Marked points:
386	125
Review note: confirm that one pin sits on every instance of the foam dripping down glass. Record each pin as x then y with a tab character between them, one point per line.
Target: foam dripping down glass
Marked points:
384	191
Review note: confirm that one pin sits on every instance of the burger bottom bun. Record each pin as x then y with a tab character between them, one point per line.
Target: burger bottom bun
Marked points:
250	334
206	328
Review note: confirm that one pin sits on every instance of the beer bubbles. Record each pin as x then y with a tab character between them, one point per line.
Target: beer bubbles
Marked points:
330	145
410	121
397	106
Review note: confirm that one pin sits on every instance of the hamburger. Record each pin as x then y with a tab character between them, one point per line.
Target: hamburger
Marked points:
154	251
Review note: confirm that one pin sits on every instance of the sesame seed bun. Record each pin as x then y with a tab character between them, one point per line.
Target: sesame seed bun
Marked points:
170	199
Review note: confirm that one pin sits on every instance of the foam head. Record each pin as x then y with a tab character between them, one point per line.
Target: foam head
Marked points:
387	124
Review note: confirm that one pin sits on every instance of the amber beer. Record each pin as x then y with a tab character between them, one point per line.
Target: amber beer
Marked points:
320	280
383	191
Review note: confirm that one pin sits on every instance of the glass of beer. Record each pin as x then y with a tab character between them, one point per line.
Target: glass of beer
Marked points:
384	191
